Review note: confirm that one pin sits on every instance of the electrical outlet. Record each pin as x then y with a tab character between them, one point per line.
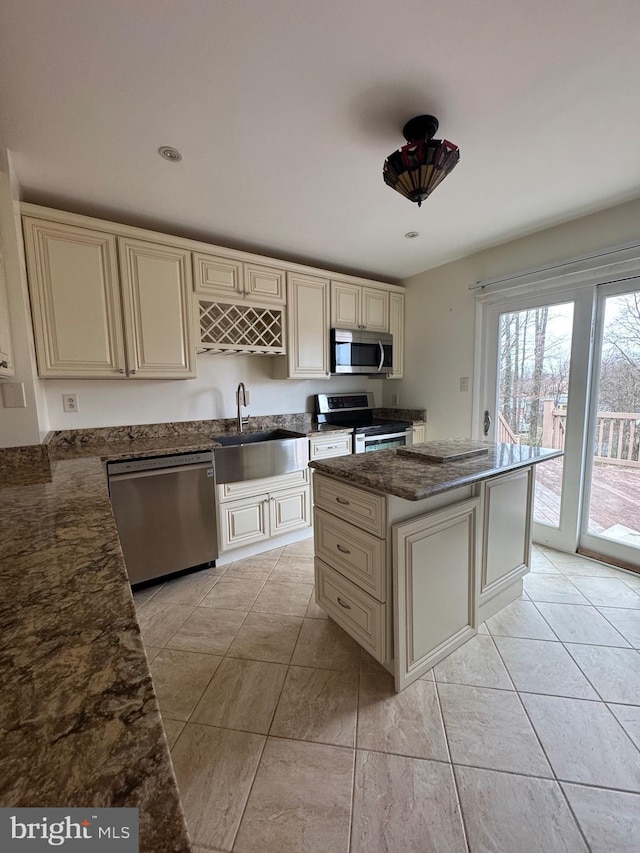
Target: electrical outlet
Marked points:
395	400
70	402
464	383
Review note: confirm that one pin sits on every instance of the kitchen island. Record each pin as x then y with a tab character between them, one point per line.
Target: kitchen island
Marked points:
412	554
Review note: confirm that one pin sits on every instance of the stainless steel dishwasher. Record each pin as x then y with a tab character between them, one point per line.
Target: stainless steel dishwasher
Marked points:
165	511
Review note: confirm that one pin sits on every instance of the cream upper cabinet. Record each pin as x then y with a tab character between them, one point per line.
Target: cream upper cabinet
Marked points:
396	327
224	278
355	306
95	318
75	300
157	308
307	327
6	350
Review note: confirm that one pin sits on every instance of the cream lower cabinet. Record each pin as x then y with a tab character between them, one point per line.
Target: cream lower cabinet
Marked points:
411	580
327	446
108	307
256	510
419	432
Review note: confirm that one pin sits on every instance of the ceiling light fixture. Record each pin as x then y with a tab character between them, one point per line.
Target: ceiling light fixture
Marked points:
169	153
416	169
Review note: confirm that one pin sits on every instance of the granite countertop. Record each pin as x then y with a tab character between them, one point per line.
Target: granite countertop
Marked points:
79	719
414	479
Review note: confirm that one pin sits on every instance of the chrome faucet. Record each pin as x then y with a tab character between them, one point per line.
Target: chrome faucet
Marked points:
241	399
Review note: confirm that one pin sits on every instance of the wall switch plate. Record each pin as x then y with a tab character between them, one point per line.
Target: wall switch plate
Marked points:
13	395
395	399
70	402
464	383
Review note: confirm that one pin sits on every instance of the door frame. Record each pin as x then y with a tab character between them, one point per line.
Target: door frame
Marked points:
577	280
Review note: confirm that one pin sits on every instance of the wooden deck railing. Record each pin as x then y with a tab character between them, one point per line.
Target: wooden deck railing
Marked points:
617	440
505	433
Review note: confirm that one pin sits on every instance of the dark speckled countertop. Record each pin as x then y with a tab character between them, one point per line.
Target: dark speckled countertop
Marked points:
415	479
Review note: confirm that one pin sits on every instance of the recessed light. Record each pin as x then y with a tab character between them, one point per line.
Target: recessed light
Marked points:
411	235
169	153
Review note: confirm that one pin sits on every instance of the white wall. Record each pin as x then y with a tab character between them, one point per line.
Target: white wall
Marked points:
212	395
440	312
20	425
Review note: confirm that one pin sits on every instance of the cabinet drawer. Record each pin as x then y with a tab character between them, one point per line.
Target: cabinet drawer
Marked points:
364	509
359	614
247	488
328	446
358	555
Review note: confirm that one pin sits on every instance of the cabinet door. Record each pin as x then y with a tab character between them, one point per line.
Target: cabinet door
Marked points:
6	350
419	433
308	327
265	284
217	276
375	309
243	522
325	447
396	327
434	576
290	510
157	308
75	300
346	301
507	535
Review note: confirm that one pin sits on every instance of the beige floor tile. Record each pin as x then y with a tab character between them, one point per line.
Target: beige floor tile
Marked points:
584	742
477	662
180	679
313	610
552	588
172	729
325	645
488	728
577	623
370	664
541	564
632	580
581	567
610	820
482	628
520	619
303	548
233	593
300	800
208	630
294	570
539	666
141	596
505	813
152	652
215	769
405	805
627	622
319	705
159	623
243	695
406	723
288	599
608	592
629	718
188	589
615	673
266	637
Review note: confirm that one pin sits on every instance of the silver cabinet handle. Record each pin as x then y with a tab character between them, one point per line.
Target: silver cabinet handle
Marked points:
120	370
4	363
342	550
132	372
342	604
343	501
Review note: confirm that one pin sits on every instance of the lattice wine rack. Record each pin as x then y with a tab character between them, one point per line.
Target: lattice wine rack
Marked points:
240	328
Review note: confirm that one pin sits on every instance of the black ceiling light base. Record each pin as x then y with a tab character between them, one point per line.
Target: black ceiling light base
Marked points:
417	168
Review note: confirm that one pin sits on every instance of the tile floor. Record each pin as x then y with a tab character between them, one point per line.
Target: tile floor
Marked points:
286	737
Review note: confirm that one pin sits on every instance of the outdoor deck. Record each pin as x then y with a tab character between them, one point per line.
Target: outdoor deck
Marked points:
615	496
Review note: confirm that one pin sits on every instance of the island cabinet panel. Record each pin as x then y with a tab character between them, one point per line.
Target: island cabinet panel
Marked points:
506	552
434	578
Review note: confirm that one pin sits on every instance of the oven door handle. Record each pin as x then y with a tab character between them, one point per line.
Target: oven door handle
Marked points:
381	356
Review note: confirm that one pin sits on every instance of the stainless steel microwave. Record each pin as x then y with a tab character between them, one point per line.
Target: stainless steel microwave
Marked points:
357	351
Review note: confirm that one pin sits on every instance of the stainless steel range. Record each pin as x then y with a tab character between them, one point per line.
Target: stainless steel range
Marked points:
356	411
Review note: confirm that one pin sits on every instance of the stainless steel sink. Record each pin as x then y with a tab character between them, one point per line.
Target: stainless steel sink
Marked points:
252	455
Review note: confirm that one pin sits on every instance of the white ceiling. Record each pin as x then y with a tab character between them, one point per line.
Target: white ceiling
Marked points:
284	111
